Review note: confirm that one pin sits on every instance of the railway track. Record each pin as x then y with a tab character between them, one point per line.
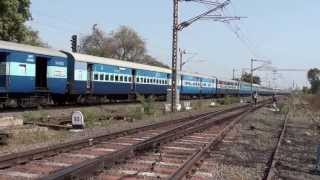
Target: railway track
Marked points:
204	164
160	144
175	159
84	158
271	164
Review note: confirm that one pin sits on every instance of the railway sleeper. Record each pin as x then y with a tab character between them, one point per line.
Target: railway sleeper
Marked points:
92	166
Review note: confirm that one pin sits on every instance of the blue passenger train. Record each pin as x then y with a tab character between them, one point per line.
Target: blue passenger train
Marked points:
33	75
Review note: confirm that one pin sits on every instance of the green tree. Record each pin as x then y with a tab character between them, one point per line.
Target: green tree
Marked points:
246	77
32	38
97	43
13	15
305	90
128	44
124	44
314	79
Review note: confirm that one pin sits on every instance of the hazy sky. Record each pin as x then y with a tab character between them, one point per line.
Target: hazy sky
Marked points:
287	32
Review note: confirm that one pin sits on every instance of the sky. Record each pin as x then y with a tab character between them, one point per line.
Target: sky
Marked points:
285	32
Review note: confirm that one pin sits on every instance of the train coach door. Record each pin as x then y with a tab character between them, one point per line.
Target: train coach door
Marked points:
133	84
3	69
41	73
89	77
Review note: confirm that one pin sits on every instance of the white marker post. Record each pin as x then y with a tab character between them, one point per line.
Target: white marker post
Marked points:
77	120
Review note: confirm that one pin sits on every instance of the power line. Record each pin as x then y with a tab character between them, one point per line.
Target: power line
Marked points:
211	14
236	29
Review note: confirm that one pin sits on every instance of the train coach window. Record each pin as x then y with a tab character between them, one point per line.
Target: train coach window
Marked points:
116	78
121	78
3	57
111	77
144	80
126	79
101	77
107	77
96	77
130	79
138	79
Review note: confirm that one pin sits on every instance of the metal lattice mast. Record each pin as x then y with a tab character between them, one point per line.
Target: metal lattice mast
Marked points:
178	27
174	55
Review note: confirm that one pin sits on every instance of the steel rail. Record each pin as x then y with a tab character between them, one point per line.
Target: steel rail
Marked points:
90	167
197	156
269	172
23	157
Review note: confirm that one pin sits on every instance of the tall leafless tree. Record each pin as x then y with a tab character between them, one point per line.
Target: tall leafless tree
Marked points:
124	44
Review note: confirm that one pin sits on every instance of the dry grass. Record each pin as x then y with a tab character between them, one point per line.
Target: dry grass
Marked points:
33	116
313	101
230	172
228	100
29	137
298	152
35	135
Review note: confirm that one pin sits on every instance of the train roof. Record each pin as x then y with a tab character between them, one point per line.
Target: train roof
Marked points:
198	75
227	80
115	62
32	49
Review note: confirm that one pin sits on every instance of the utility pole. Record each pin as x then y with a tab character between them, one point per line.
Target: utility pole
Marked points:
174	55
251	78
179	27
252	69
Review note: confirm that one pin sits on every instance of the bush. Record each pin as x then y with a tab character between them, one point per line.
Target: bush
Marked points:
284	108
148	104
35	116
95	116
198	105
228	100
135	113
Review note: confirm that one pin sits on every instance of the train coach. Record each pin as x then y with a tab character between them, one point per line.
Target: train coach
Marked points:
196	85
32	75
227	87
94	78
